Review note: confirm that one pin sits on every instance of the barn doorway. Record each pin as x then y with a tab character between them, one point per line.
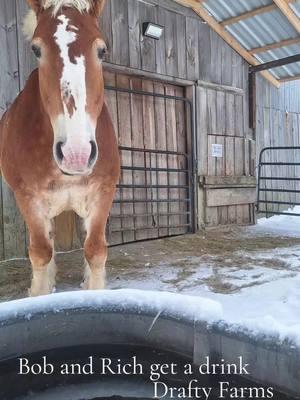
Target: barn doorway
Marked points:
155	194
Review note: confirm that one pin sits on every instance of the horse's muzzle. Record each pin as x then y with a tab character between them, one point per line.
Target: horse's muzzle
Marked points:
76	159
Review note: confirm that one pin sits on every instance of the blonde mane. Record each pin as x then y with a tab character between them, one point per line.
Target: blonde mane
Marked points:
80	5
30	20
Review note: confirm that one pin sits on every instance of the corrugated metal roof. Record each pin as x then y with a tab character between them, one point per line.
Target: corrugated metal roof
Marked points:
260	30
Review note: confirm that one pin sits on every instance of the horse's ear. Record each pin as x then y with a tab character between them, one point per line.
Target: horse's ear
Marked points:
97	7
35	5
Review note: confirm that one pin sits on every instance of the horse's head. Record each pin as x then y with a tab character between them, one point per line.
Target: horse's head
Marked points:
70	49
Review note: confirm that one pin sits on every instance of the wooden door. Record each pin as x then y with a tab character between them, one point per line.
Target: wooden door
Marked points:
153	199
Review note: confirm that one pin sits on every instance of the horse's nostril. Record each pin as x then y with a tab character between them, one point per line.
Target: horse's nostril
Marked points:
59	152
94	152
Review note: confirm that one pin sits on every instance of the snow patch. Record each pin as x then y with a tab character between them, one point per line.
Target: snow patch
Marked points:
280	225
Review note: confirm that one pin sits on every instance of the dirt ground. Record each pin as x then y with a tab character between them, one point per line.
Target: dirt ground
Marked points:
225	260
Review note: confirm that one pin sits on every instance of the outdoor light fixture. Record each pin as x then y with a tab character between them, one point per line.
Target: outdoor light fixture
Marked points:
153	31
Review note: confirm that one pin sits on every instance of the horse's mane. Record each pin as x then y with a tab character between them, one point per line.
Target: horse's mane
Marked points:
80	5
30	20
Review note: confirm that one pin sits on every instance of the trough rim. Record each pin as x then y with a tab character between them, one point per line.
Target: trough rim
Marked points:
198	330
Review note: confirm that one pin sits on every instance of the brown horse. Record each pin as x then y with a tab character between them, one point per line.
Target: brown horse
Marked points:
58	148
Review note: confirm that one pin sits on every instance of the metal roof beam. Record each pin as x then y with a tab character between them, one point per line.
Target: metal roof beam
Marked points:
276	63
226	36
252	13
289	78
276	45
249	14
289	13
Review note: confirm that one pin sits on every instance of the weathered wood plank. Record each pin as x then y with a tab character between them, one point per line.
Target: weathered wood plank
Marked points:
111	100
192	48
134	26
27	61
221	117
66	232
220	161
172	145
161	44
227	61
181	130
14	232
171	43
149	143
212	111
161	143
229	169
231	181
238	116
120	34
147	13
211	161
216	57
138	141
231	114
204	52
228	197
124	122
181	45
106	29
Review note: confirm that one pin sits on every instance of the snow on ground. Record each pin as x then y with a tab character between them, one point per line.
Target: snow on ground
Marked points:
263	300
258	292
272	309
283	225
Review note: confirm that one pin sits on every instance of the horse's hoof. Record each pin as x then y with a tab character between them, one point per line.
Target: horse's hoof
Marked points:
40	291
85	284
36	293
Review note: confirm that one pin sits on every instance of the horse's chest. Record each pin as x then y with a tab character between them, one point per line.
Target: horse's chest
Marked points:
76	199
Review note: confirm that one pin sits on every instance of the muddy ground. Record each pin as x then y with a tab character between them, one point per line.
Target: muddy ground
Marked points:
225	260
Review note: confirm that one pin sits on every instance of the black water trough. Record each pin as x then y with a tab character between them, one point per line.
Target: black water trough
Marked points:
73	345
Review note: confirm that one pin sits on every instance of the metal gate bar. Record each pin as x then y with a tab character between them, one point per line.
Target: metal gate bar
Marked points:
263	178
186	192
150	187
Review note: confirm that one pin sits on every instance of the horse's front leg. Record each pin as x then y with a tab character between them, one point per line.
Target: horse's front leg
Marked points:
41	247
95	246
41	253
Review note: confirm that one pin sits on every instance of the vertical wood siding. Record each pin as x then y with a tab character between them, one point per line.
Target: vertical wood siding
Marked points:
188	49
221	122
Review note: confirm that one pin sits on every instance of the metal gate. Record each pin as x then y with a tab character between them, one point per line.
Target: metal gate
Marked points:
278	180
159	200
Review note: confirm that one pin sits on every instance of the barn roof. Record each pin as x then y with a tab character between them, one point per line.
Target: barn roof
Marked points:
260	30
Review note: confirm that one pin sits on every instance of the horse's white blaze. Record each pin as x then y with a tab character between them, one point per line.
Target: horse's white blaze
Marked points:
74	125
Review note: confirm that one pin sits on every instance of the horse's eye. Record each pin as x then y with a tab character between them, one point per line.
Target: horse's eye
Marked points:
36	50
101	53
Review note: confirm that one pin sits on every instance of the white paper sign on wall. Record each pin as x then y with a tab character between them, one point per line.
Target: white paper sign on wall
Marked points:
217	150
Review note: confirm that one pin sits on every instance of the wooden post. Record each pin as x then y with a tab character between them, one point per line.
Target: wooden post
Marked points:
252	100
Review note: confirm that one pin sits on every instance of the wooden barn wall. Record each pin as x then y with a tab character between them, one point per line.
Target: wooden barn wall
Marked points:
188	52
278	124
